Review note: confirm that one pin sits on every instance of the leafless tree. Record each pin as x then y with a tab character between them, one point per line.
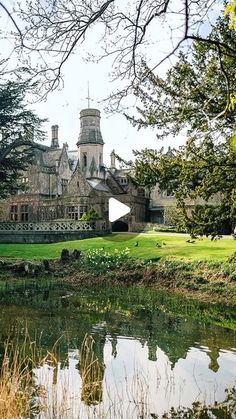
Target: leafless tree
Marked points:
47	33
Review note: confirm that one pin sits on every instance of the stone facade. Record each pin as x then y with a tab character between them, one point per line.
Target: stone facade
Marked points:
162	206
64	184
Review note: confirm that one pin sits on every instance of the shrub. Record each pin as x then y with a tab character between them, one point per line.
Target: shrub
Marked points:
90	215
84	217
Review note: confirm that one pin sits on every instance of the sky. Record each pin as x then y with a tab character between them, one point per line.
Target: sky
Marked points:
63	106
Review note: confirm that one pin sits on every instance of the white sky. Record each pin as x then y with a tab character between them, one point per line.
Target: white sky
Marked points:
62	107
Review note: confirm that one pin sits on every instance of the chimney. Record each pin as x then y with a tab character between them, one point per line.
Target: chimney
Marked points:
54	140
113	160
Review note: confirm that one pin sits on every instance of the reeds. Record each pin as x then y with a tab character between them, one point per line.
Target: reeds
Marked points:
17	389
92	372
22	395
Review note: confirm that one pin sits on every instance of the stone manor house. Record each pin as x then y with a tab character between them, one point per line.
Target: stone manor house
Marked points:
65	184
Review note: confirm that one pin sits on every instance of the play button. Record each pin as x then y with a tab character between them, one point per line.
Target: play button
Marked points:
117	209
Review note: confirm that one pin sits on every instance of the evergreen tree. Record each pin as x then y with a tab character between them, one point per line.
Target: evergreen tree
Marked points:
19	127
194	100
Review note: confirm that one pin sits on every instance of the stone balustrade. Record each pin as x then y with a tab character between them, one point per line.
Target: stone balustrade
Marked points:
61	225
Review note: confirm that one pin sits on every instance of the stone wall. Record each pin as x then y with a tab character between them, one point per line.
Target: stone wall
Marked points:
47	236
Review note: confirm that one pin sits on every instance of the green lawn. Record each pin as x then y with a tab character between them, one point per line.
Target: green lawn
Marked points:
176	246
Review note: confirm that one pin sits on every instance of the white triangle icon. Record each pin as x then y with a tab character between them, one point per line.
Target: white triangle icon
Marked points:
117	209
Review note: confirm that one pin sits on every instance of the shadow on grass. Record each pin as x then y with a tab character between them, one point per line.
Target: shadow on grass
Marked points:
120	237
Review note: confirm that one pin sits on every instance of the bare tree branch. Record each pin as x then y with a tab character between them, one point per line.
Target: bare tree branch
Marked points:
53	32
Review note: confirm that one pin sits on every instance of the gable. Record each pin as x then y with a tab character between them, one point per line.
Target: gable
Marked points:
78	185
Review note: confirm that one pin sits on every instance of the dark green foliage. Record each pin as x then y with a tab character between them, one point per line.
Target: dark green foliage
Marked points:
195	93
221	410
90	215
204	171
212	220
194	100
19	128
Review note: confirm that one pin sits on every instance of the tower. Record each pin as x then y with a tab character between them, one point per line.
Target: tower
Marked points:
90	144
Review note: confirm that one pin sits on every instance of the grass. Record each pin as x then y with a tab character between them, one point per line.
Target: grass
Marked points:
175	245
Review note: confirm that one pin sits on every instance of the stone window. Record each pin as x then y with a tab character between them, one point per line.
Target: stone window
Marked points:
24	212
82	210
25	179
64	185
84	159
123	181
14	213
72	212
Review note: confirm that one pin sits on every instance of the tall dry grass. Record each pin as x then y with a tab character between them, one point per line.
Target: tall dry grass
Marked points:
20	397
17	390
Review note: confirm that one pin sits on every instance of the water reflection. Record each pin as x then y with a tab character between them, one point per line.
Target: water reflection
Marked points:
117	354
129	380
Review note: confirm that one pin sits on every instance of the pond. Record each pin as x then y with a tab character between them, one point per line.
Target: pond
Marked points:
123	353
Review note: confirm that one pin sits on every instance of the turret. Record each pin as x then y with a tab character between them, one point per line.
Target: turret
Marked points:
90	144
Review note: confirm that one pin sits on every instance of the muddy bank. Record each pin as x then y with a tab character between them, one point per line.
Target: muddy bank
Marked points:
213	282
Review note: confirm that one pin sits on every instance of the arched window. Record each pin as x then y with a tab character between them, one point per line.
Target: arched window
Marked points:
84	159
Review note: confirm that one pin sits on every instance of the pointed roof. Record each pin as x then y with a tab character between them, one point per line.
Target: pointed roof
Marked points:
90	132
